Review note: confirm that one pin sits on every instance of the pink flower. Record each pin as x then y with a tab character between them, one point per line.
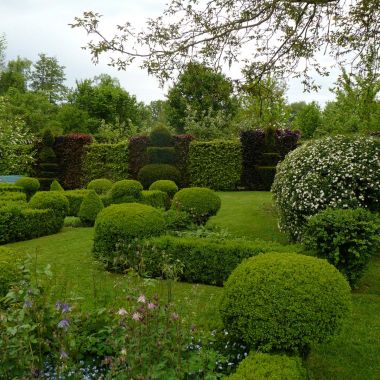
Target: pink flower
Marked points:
151	305
136	316
122	311
141	299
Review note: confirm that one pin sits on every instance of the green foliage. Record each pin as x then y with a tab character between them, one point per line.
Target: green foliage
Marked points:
56	186
262	366
177	220
47	155
264	177
155	198
75	198
125	191
90	208
199	202
72	221
154	172
9	187
48	138
29	185
336	172
165	185
205	260
117	226
12	196
308	120
285	302
161	155
14	75
100	186
10	272
54	200
106	161
215	164
161	137
346	238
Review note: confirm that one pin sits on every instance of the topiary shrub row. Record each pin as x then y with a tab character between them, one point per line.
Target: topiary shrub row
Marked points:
215	164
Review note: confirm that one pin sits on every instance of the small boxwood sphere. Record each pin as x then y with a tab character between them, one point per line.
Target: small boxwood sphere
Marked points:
101	185
154	172
165	185
30	185
262	366
10	271
199	202
90	208
125	191
54	200
121	223
285	302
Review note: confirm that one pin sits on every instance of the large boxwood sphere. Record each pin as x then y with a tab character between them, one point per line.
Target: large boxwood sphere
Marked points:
54	200
125	191
100	185
336	172
285	302
199	202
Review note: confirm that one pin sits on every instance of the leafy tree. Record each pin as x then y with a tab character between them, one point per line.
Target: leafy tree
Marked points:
294	108
47	77
158	110
15	75
199	91
308	120
283	36
3	45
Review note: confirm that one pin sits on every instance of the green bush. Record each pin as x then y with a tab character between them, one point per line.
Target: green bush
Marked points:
75	198
155	198
125	191
154	172
199	202
72	221
56	186
29	185
346	238
204	260
90	208
106	199
10	187
165	185
215	164
161	136
261	366
54	200
177	220
101	185
11	196
285	302
161	155
335	172
10	271
116	228
47	155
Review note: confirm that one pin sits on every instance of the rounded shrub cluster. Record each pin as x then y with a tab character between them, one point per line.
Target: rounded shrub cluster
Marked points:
29	185
336	172
199	202
54	200
285	302
161	137
125	191
10	271
101	185
90	208
165	185
154	172
262	366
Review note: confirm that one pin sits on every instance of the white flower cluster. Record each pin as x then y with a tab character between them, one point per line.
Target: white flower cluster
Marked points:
337	172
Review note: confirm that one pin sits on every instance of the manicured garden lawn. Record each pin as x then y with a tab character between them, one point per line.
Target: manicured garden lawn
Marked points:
351	355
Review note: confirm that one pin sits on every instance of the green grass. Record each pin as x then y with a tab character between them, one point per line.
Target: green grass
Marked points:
353	354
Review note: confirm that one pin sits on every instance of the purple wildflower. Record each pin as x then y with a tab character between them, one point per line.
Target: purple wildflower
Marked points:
58	305
64	324
63	355
28	304
66	308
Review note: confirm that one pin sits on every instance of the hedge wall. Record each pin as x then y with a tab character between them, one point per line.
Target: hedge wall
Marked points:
106	161
215	164
181	147
137	154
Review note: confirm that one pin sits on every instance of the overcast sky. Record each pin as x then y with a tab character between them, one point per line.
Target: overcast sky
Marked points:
41	26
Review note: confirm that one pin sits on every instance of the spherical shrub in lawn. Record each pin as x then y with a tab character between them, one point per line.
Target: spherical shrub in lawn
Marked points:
165	185
262	366
117	226
336	172
199	202
90	208
125	191
30	185
154	172
101	185
346	238
54	200
285	302
56	186
161	136
10	271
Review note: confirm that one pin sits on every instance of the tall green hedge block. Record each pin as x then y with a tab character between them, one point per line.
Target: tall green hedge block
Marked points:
264	177
106	161
215	164
161	155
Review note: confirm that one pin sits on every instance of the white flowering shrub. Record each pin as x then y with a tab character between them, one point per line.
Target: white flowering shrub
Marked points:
336	172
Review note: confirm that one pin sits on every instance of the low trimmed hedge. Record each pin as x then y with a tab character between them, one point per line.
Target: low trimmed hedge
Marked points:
9	187
54	200
75	198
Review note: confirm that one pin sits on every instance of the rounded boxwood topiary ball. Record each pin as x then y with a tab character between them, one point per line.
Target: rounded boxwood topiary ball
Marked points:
10	271
30	185
101	185
125	191
262	366
54	200
199	202
154	172
165	185
285	302
90	208
161	136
